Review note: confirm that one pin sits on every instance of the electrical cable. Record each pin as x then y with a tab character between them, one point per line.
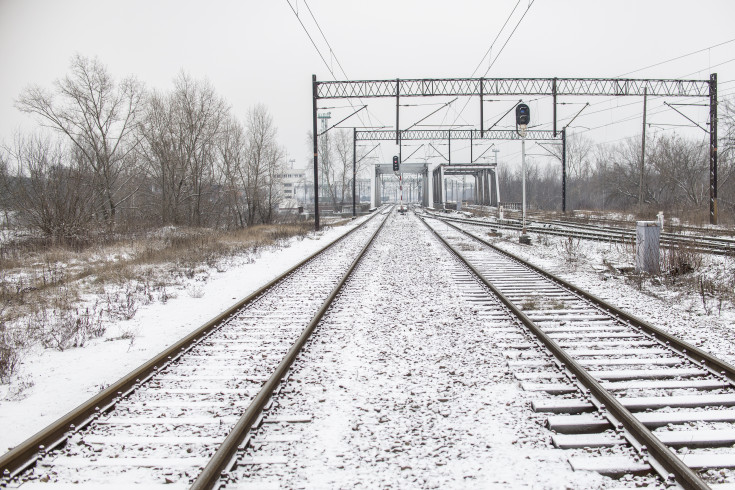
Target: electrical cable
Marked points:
495	40
509	37
497	55
677	58
334	55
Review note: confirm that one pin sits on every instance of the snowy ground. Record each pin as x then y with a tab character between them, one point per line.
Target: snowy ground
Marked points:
415	395
50	383
708	323
404	385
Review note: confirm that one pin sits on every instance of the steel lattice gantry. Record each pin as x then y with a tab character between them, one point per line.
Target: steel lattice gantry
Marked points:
553	87
510	86
453	134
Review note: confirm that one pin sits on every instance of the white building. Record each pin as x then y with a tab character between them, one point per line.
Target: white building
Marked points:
295	187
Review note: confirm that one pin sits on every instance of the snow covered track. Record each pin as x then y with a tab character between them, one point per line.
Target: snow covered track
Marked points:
401	386
599	233
645	389
162	423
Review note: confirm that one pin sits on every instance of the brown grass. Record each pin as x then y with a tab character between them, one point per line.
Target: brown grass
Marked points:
41	286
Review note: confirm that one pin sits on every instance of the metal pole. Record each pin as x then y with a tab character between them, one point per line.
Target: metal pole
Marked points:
398	97
449	139
713	149
643	152
523	170
316	154
564	170
470	147
482	112
553	94
354	170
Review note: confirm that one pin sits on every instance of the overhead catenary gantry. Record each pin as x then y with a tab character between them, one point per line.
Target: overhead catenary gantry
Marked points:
553	87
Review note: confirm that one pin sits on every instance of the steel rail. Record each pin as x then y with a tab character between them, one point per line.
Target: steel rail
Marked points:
623	236
25	455
723	236
684	475
705	359
612	223
725	242
223	457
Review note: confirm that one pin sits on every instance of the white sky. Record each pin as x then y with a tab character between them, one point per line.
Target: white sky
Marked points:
256	52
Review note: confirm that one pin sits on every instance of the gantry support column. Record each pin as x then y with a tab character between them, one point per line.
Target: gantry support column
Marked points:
429	188
497	188
374	189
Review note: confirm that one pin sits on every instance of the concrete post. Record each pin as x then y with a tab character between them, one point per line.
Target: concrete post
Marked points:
647	237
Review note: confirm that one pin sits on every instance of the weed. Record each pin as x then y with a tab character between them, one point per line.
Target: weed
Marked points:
13	343
680	259
569	250
529	304
195	290
65	328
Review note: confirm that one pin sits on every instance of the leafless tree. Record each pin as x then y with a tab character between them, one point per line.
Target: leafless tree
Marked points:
98	116
201	114
181	132
683	168
50	190
233	163
265	161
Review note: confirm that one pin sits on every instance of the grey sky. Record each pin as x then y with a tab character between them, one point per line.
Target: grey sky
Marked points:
256	52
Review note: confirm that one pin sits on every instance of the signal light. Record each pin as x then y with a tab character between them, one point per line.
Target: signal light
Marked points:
396	165
523	115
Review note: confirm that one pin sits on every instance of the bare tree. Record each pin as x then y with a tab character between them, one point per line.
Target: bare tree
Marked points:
264	165
201	114
683	167
233	163
181	133
98	116
50	190
161	150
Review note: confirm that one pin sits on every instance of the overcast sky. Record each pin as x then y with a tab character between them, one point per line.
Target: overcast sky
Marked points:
257	52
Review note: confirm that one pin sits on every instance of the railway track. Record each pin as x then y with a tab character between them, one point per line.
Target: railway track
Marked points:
402	387
622	396
697	243
619	397
180	417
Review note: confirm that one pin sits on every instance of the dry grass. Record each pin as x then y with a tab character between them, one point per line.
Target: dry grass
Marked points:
45	291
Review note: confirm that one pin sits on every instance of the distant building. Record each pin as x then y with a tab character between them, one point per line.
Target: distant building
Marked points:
295	187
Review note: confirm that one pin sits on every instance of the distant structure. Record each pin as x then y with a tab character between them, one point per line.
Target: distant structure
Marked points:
295	186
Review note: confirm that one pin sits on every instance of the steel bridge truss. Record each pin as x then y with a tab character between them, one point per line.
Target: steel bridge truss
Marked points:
481	87
488	189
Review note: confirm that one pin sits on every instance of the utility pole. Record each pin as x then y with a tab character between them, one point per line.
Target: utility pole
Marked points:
316	154
643	153
354	170
713	149
564	170
324	117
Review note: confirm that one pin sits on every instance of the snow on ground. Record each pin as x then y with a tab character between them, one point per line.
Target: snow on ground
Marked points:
708	324
406	386
50	383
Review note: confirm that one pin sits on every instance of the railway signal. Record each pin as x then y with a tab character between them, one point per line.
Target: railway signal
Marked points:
396	165
523	117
